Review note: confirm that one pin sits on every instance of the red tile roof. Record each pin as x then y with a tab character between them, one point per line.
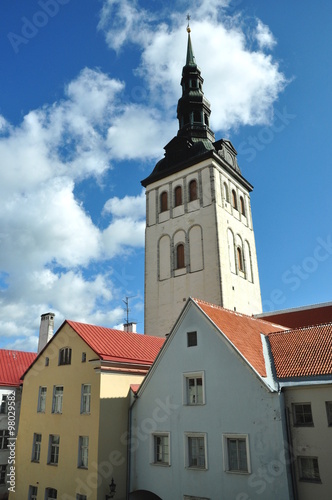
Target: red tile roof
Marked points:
117	345
303	316
303	352
243	331
12	366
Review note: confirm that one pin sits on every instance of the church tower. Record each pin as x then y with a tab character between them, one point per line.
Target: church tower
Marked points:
199	238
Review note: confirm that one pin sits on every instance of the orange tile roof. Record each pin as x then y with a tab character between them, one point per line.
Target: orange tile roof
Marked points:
243	332
117	345
303	352
12	366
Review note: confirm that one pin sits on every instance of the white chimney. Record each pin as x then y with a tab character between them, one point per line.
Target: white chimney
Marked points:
130	327
46	329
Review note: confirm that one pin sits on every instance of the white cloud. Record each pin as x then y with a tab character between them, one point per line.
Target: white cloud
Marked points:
264	36
242	84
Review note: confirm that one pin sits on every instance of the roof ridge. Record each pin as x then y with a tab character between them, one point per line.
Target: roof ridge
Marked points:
303	328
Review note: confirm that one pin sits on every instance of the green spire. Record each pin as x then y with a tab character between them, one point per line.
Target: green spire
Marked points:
190	53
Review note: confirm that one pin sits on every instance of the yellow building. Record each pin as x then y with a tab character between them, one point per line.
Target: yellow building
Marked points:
72	439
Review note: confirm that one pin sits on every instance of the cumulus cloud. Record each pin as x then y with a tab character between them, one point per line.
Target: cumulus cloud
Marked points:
241	83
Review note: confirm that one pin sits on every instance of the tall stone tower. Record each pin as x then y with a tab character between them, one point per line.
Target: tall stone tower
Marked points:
199	238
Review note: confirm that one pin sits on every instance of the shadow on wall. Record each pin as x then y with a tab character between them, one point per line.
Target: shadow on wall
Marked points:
143	495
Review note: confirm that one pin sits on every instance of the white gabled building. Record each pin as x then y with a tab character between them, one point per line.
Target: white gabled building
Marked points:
208	422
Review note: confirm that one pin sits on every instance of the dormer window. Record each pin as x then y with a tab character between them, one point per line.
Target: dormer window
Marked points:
65	356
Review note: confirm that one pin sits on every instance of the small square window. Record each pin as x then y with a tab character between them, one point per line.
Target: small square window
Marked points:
302	414
329	412
308	469
161	449
191	339
51	494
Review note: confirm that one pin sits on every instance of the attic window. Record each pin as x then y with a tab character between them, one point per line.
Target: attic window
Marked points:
47	361
191	339
65	356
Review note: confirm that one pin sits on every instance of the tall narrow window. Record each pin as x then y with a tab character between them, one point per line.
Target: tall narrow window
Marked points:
53	450
234	199
180	256
57	399
2	474
178	196
239	259
329	412
33	492
242	207
3	404
42	400
161	449
226	193
4	435
237	455
36	446
193	190
86	398
83	451
196	451
163	201
65	356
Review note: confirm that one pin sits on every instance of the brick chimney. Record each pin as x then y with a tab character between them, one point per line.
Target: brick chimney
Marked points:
46	329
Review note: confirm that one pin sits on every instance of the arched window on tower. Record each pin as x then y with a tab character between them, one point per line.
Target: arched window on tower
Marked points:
242	207
180	256
192	190
234	199
206	119
163	201
178	196
226	192
239	259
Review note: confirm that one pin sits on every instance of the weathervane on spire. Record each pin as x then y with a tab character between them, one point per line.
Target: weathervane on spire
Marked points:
188	27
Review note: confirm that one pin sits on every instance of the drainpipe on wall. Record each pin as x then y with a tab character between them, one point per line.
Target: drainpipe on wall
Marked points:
288	438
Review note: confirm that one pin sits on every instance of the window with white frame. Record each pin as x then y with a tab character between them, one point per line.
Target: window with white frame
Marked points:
302	414
42	399
236	453
33	492
308	469
161	448
85	398
4	435
51	494
196	451
53	450
3	473
3	404
194	388
83	451
36	446
57	399
65	356
329	412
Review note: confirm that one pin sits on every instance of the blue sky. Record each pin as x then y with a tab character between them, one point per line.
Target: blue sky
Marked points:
88	101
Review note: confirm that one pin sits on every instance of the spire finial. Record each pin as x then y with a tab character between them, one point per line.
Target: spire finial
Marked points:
188	27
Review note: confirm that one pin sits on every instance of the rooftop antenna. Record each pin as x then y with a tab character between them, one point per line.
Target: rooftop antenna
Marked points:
127	310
